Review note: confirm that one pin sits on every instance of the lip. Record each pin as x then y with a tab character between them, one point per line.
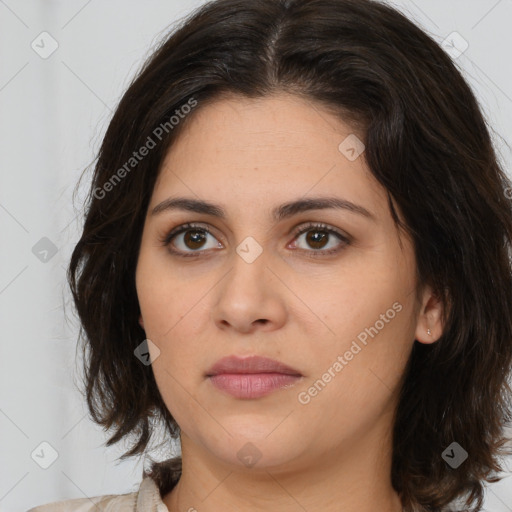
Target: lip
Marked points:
250	364
251	377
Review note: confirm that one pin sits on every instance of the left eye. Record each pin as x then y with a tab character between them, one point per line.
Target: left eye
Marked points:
317	237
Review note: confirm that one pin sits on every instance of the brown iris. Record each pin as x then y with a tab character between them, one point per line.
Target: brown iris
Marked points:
195	238
315	240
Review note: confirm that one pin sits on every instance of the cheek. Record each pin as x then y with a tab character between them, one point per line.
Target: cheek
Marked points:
179	374
360	300
355	383
169	306
164	298
371	331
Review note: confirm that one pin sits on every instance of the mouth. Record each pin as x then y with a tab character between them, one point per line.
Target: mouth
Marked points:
251	377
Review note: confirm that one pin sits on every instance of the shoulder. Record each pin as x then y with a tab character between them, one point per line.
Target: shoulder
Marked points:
148	498
109	503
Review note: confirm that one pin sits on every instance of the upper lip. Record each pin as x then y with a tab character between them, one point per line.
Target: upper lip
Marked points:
250	364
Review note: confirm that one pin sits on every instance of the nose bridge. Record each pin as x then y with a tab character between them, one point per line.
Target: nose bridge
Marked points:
249	235
248	266
246	294
249	250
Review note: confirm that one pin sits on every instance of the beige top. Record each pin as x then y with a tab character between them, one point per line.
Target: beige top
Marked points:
146	499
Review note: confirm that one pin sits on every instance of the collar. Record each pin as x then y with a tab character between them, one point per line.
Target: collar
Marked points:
148	497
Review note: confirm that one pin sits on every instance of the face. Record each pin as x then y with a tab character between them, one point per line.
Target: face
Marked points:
327	291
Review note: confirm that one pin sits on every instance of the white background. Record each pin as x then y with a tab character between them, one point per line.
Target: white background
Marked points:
53	113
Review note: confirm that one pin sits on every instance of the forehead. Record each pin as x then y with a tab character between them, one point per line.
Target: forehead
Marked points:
281	147
279	125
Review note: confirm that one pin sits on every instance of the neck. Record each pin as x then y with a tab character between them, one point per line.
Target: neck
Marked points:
353	478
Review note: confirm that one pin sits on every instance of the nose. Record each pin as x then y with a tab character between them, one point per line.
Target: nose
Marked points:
250	296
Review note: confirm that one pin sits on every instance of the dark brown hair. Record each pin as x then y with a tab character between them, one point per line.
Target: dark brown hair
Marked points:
427	143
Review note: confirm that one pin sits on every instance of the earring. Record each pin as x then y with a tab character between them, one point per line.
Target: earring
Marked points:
429	332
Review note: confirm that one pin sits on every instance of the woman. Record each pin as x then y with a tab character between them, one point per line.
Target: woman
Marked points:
296	256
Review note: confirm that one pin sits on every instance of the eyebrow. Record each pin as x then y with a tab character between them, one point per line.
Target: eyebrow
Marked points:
279	213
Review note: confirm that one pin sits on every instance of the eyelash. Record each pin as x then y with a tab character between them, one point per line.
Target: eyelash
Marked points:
166	240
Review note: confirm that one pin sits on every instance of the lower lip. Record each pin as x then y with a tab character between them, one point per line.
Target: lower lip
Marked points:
252	385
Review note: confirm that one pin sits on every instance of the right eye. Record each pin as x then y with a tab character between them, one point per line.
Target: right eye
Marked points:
192	242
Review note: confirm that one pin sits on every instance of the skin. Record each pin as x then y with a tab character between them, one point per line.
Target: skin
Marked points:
334	452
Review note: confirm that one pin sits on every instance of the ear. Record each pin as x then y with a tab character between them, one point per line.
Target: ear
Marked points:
429	317
141	321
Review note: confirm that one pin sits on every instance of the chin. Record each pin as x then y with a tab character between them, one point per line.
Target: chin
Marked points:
254	449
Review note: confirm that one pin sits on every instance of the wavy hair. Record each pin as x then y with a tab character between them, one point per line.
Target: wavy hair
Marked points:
427	143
